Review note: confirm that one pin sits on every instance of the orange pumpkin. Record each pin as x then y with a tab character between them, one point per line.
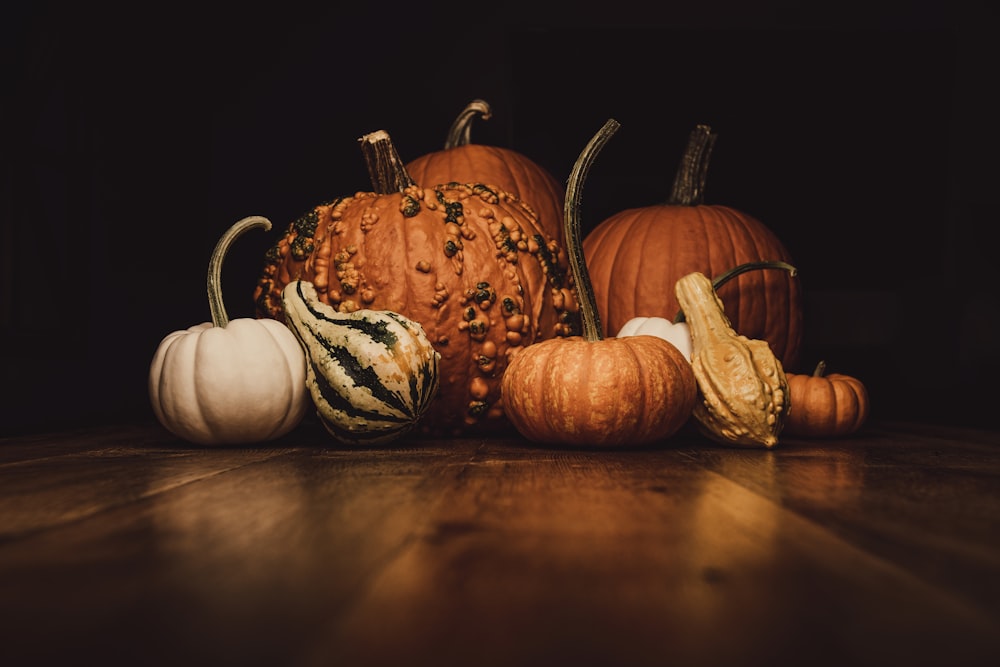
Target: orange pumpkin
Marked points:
594	391
465	162
825	406
636	256
468	262
613	392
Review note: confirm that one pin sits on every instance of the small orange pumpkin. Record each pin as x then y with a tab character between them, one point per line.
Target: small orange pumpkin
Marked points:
825	406
594	391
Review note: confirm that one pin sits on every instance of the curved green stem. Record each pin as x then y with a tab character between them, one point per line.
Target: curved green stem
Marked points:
460	132
215	303
820	370
724	278
590	318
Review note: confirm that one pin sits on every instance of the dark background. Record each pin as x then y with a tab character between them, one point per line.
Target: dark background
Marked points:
864	136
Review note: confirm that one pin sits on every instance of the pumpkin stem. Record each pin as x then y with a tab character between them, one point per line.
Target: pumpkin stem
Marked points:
385	167
725	277
460	132
589	315
689	182
820	369
215	303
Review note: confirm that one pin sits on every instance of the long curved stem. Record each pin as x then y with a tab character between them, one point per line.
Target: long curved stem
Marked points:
590	318
215	303
460	132
725	277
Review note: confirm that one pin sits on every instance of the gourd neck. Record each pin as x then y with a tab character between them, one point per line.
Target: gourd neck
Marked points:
385	168
215	303
590	318
696	294
460	133
689	181
725	277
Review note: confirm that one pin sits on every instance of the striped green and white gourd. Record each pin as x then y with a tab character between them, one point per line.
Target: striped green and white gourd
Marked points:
372	374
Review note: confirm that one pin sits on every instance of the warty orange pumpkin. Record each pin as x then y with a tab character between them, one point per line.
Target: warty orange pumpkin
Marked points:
468	262
636	256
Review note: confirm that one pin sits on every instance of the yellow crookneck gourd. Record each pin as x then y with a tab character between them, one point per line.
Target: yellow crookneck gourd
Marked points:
742	385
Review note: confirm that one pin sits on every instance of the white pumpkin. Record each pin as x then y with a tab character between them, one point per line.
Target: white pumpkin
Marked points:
678	333
229	382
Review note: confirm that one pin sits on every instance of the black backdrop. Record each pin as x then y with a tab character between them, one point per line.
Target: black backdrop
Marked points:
133	137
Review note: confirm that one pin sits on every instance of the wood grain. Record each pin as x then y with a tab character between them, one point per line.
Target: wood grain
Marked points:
127	546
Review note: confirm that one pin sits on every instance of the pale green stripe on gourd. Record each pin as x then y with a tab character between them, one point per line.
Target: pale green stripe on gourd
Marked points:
372	374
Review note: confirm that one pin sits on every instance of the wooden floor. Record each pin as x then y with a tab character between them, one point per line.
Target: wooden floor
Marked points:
122	545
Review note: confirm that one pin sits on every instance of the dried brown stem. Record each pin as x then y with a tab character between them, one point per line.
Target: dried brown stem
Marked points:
689	182
385	167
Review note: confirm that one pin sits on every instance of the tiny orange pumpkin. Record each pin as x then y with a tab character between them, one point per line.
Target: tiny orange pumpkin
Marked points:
825	405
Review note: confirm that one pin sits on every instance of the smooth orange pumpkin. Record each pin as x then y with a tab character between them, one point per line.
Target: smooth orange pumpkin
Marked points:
636	256
594	391
468	262
511	171
825	405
